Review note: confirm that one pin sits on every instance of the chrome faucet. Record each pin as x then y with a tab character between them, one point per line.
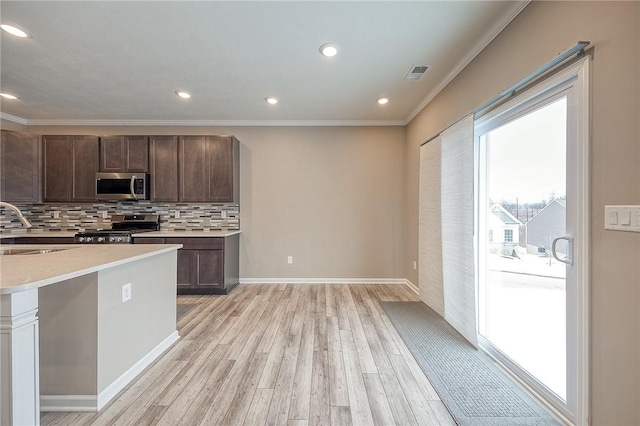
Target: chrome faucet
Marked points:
17	211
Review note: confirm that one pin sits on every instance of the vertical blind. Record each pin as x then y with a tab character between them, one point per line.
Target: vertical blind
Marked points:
446	250
429	229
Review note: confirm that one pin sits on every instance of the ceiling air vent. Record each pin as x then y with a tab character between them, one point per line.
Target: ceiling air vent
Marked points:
416	72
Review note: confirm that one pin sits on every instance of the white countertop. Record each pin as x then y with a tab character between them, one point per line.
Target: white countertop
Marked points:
169	234
25	272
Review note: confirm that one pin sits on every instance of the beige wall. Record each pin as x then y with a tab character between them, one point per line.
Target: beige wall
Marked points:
331	197
541	31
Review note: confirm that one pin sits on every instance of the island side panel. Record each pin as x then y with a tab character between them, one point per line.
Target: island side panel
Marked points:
19	379
231	262
68	343
129	332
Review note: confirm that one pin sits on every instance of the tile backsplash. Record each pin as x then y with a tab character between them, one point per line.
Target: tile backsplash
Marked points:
173	216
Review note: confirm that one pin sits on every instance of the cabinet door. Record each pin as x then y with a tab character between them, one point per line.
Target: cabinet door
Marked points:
111	154
193	168
209	169
164	168
20	165
220	165
85	167
129	154
210	269
136	154
70	164
57	168
187	265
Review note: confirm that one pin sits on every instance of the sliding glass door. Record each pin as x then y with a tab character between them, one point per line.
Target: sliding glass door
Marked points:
528	226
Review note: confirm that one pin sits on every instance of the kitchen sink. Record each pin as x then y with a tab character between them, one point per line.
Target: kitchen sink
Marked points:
8	252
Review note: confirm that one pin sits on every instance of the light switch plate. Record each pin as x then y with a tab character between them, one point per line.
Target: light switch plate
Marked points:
622	218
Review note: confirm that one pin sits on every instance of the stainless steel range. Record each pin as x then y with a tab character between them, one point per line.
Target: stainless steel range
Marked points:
122	228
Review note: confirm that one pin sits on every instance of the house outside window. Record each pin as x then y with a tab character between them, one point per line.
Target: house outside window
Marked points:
508	235
490	235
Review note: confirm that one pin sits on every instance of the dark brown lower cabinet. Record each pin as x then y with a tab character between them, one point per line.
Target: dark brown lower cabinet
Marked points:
206	265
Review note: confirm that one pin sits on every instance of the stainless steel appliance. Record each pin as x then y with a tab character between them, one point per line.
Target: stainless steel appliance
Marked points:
122	228
122	186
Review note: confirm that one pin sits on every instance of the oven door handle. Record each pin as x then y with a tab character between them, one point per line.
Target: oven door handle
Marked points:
131	187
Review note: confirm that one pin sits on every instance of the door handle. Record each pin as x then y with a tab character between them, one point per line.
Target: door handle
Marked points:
569	258
132	189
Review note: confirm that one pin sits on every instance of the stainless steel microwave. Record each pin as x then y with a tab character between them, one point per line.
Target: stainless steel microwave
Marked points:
122	186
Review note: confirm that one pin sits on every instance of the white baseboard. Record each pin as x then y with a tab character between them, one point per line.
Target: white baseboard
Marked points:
354	281
412	287
93	403
69	403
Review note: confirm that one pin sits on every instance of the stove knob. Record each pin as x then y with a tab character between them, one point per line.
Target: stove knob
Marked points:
112	239
88	239
100	239
120	239
80	239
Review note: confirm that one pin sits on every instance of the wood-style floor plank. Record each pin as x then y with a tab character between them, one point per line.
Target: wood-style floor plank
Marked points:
286	354
380	408
358	400
338	393
259	406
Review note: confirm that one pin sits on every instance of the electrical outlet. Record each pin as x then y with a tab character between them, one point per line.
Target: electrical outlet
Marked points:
56	214
126	292
223	214
415	265
105	215
176	214
289	260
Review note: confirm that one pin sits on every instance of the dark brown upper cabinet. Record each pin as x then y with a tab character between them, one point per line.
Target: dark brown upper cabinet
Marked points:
209	169
20	165
70	164
126	154
163	168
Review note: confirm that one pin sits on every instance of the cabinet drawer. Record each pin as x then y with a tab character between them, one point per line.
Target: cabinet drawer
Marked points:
147	240
198	243
45	240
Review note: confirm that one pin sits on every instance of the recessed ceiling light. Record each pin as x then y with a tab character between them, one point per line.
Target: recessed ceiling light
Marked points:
329	50
183	94
382	101
271	100
15	30
9	96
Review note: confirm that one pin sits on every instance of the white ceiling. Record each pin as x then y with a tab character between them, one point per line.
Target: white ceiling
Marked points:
100	62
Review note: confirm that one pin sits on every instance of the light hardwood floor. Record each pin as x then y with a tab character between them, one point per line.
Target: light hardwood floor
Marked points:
280	355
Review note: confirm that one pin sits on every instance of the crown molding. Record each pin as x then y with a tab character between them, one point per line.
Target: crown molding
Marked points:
203	123
475	51
13	118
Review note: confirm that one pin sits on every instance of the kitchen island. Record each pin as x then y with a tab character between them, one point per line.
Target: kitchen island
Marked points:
78	323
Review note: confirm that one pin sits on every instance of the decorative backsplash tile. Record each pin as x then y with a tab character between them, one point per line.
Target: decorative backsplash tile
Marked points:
80	217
